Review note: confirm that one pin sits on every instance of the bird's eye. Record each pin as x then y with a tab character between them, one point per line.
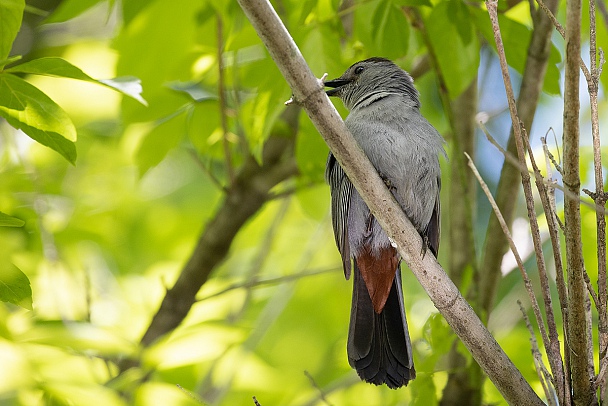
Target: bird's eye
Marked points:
358	70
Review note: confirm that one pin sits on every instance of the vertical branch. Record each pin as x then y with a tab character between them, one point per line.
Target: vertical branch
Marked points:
554	225
554	349
520	264
222	97
577	324
599	197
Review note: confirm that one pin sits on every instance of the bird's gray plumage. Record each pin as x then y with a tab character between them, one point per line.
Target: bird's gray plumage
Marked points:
403	147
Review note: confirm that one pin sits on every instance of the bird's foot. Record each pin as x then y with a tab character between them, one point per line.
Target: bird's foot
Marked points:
387	182
425	246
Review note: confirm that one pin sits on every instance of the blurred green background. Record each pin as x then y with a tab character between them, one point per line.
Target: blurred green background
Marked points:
103	239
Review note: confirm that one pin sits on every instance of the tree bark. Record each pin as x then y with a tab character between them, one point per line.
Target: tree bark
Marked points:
577	323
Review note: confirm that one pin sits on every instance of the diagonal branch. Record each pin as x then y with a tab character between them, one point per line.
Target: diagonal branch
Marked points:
309	93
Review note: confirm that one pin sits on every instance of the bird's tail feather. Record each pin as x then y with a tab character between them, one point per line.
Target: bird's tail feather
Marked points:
379	346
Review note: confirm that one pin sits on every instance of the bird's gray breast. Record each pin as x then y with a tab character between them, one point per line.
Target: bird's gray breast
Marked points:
404	148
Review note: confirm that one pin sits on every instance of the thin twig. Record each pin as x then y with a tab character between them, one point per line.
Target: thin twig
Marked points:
549	154
554	349
551	186
601	375
603	11
599	197
562	32
515	162
222	98
520	263
264	248
190	394
314	383
547	195
207	170
272	281
544	376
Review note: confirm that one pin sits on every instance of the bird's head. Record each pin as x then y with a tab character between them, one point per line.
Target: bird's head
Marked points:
374	77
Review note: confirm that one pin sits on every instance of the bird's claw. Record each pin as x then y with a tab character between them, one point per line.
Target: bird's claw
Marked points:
425	246
320	81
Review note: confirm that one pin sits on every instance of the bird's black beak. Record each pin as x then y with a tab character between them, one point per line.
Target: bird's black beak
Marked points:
336	84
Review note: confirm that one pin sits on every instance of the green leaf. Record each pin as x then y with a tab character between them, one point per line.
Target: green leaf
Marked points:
455	44
15	286
163	137
11	13
69	9
390	27
59	67
26	108
10	221
131	8
193	89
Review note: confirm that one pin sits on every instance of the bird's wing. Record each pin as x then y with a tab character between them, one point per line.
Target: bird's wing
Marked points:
433	230
340	188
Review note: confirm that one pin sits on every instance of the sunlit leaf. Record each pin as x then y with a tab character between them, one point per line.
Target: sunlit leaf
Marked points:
26	108
193	89
11	13
203	126
131	8
59	67
84	337
160	140
10	221
15	286
390	27
168	55
450	31
77	393
69	9
127	85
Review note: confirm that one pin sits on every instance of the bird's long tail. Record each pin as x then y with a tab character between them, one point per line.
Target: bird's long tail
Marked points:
379	346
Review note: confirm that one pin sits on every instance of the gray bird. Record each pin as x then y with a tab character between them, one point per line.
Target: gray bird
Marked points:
404	148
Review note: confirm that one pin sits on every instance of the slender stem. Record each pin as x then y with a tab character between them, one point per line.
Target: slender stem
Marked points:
222	97
582	392
562	32
599	198
543	375
520	263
